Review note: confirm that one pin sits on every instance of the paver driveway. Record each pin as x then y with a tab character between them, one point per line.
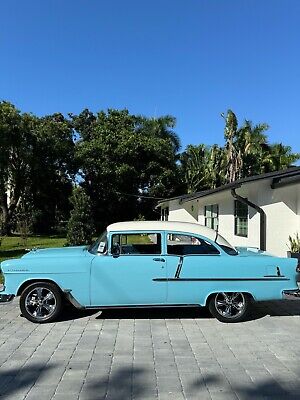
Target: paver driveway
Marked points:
151	354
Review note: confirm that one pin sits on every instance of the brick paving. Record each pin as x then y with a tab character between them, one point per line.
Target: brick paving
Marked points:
151	354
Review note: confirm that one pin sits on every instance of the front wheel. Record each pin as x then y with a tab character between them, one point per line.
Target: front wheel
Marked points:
230	306
41	302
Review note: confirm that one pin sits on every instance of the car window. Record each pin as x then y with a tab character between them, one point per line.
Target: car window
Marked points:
100	245
186	244
226	246
136	243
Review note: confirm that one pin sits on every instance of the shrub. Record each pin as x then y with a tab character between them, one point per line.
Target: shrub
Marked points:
294	243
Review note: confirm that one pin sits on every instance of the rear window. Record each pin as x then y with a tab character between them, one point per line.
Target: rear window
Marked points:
187	244
226	246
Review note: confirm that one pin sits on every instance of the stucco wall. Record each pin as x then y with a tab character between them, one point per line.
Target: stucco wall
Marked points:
281	208
183	212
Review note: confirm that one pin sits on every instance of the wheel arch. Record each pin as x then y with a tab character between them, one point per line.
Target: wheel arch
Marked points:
207	300
35	280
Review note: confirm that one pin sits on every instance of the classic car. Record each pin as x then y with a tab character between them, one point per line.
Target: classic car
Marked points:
149	264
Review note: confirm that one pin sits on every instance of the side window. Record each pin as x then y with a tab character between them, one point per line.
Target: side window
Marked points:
185	244
136	243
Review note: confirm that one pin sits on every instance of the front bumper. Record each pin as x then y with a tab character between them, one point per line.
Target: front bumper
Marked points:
5	298
291	294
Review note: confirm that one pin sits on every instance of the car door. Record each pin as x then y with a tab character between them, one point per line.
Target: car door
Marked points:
193	263
124	276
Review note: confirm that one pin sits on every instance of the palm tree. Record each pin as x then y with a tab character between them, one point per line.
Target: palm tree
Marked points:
215	166
161	127
278	157
231	155
203	167
193	162
249	143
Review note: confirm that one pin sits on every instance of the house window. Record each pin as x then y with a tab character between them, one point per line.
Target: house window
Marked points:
165	214
240	219
211	214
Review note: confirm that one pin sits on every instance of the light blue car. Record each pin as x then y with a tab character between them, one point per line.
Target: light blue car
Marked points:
149	264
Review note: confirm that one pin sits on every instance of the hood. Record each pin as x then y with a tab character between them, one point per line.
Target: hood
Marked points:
76	251
252	251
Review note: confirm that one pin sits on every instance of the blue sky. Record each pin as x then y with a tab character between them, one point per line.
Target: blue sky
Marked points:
193	59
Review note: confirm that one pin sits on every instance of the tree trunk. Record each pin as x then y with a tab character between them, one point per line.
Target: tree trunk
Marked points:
6	219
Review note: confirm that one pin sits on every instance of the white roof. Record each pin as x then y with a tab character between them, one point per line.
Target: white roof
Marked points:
187	227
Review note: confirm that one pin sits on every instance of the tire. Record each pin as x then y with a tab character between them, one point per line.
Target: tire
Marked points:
230	306
41	302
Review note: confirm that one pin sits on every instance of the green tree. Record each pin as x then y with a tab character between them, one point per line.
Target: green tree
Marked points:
202	167
80	225
233	162
125	161
248	151
194	167
36	154
15	154
278	156
250	142
52	171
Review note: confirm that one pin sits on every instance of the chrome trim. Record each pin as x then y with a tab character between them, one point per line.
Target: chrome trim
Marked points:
6	298
230	305
40	303
278	278
291	294
118	307
72	300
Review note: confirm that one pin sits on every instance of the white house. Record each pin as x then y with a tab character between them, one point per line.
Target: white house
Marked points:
260	211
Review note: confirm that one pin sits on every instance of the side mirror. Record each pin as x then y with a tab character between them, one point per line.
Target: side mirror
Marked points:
115	250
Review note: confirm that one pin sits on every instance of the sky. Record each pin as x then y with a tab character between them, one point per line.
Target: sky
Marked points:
193	59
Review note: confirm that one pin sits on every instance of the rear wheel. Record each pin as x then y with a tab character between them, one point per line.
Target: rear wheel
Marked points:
41	302
230	306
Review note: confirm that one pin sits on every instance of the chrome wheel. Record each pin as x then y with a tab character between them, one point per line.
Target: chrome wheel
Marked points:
230	305
40	303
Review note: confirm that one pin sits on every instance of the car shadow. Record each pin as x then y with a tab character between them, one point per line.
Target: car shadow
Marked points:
280	308
276	308
155	313
70	313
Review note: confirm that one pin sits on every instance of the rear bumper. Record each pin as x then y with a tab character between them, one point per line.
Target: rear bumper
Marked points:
291	294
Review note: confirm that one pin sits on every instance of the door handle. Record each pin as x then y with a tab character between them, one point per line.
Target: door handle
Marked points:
159	259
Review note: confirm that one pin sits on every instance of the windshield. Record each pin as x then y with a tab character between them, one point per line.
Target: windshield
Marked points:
100	245
226	246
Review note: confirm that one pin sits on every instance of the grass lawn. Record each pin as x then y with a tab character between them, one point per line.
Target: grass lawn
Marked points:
15	247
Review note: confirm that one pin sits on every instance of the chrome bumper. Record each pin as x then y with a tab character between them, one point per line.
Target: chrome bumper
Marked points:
291	294
5	298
